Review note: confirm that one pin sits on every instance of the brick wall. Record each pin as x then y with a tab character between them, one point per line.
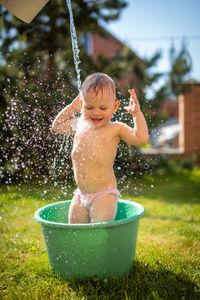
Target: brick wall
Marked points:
108	46
170	108
189	117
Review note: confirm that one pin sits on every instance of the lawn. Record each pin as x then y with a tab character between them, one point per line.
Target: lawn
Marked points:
167	257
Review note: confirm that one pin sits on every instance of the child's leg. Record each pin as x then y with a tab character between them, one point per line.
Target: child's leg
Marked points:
77	213
103	209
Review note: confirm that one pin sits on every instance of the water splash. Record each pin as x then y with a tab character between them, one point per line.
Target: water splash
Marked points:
75	47
40	140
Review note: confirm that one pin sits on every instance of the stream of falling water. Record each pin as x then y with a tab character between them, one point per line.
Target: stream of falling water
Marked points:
75	49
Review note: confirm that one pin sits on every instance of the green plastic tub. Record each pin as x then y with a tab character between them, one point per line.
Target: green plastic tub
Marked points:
84	250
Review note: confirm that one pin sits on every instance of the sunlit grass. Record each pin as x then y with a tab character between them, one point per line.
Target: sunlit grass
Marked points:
168	248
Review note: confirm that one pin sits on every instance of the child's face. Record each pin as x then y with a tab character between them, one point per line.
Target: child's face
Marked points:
99	108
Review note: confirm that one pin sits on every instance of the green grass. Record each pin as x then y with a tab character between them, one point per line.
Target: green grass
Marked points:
167	262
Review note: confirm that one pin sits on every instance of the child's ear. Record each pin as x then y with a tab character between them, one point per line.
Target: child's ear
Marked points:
81	103
116	105
81	100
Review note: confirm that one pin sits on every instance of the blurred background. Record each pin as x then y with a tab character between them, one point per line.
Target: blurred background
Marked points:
152	46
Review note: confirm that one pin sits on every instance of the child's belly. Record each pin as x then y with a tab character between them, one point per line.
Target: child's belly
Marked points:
91	179
93	159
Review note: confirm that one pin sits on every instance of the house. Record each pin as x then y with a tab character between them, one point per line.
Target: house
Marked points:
170	108
105	44
167	134
108	45
189	117
182	132
180	135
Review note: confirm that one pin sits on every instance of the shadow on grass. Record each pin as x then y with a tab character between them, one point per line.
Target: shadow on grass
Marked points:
142	282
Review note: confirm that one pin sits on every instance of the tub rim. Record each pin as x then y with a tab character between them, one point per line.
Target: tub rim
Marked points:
88	225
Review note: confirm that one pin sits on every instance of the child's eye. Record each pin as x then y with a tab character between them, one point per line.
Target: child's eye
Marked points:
89	107
103	108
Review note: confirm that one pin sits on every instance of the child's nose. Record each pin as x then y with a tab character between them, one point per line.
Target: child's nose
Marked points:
96	111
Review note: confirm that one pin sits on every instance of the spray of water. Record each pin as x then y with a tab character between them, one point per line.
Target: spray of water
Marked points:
27	134
75	47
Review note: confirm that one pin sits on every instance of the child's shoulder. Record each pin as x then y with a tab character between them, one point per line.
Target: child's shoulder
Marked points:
121	128
119	124
116	126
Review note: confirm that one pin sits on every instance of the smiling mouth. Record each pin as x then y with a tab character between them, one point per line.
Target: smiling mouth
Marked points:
96	120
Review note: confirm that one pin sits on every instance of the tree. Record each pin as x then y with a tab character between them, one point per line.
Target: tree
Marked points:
181	65
37	78
47	36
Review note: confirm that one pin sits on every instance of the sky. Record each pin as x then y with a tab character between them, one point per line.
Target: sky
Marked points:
150	25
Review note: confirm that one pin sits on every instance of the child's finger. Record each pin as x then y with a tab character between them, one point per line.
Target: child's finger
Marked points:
137	101
132	94
127	108
131	91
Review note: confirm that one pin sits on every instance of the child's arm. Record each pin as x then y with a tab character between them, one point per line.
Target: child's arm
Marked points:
64	123
139	134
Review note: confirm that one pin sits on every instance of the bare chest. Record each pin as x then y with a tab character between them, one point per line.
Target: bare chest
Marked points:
93	145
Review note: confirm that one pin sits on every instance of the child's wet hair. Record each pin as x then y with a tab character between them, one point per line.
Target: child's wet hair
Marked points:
96	83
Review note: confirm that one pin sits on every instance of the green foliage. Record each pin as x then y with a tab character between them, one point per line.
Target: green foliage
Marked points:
37	78
174	85
181	65
172	165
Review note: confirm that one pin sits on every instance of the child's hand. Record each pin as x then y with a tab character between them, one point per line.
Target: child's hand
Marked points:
76	104
134	106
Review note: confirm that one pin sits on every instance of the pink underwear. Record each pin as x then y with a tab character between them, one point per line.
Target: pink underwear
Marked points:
86	199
